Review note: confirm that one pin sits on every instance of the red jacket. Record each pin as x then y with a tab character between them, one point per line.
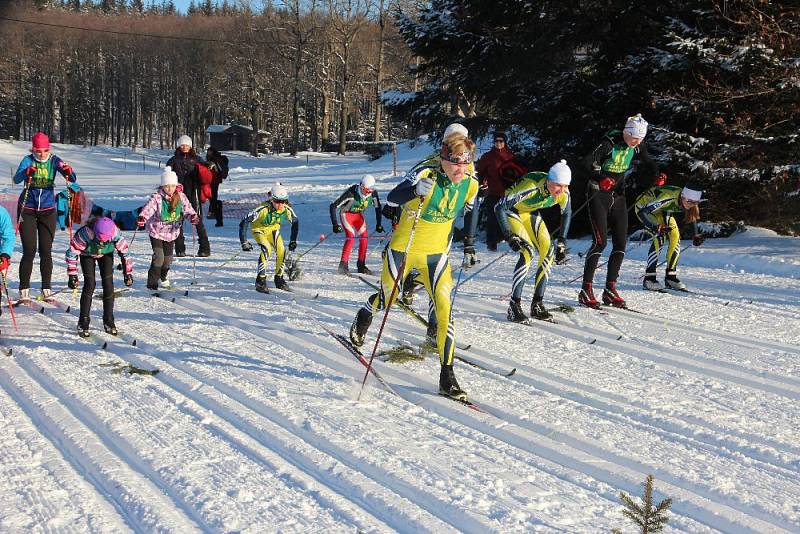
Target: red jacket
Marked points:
205	178
490	170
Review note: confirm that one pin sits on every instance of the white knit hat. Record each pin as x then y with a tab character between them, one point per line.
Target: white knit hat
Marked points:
168	176
455	128
560	173
368	181
184	140
636	126
280	193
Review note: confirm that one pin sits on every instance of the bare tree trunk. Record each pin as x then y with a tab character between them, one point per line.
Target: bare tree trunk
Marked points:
378	73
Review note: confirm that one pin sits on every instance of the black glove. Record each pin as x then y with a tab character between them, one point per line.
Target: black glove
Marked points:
73	281
292	245
515	242
128	279
697	240
247	246
337	228
379	229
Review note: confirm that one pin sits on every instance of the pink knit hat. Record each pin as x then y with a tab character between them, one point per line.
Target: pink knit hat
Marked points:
40	140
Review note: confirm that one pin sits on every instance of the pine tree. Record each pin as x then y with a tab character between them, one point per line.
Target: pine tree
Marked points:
649	518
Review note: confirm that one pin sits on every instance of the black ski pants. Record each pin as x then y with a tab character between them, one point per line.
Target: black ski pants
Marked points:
37	227
159	265
202	235
216	204
106	265
608	212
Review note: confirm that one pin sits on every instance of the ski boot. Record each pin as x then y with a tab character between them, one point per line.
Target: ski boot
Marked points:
203	253
110	327
586	296
24	295
538	311
651	283
83	327
611	297
362	267
448	385
431	333
164	283
561	252
672	282
358	330
261	284
280	283
180	253
407	295
343	268
47	294
515	313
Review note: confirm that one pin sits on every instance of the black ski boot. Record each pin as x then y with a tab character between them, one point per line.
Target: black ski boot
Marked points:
280	283
561	252
515	313
448	385
538	311
344	268
261	284
431	333
362	267
110	327
407	295
83	327
358	330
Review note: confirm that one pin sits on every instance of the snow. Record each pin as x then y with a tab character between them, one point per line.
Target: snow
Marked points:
252	422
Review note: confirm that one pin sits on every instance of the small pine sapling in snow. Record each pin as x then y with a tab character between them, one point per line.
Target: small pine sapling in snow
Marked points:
649	518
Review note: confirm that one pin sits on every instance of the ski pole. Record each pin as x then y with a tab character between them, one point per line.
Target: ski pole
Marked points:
315	245
194	257
10	304
221	265
627	247
22	206
391	296
667	259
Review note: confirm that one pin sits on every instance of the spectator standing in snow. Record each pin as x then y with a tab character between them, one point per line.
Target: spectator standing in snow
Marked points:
186	165
36	209
164	214
218	164
497	170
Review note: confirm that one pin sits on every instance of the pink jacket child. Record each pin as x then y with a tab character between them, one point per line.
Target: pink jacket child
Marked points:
163	214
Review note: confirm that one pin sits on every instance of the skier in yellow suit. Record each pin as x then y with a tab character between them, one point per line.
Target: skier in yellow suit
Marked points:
432	195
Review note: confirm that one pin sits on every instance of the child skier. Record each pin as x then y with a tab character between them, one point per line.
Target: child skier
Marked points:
6	245
524	230
37	211
349	209
657	208
266	219
95	243
164	214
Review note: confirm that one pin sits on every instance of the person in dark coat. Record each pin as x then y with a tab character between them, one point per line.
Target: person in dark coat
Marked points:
218	163
490	169
185	164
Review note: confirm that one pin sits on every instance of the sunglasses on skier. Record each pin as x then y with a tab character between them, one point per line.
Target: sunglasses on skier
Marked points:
463	158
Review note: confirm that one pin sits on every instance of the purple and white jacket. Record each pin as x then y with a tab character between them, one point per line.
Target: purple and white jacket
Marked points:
85	243
159	226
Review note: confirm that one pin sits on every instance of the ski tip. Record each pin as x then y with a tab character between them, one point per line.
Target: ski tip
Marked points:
105	345
511	373
68	309
592	342
134	343
315	296
172	299
619	337
41	310
185	294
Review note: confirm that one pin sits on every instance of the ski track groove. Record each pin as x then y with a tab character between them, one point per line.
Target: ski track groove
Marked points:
82	443
555	385
310	468
756	519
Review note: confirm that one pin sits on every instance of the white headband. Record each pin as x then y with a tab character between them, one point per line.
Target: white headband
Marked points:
691	194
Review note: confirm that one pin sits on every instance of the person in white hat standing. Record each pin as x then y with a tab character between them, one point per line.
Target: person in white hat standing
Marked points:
185	162
525	231
658	208
163	215
349	210
608	165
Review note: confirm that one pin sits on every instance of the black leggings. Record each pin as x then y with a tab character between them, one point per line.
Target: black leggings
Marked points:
159	265
607	212
106	264
37	226
202	235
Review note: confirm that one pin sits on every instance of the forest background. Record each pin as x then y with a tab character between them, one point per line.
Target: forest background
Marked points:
718	81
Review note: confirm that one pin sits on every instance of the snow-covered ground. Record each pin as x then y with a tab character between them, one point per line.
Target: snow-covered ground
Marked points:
252	423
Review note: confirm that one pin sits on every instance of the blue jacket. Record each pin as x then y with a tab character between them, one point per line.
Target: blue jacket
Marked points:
40	196
7	236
